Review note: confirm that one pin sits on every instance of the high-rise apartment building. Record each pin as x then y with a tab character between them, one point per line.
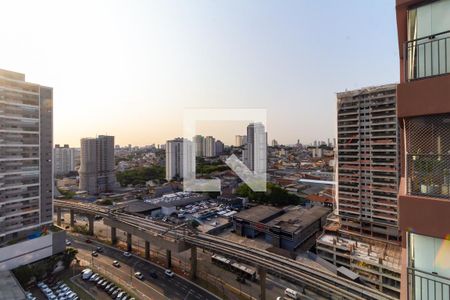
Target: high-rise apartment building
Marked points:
240	140
219	147
97	174
255	153
65	159
175	160
199	144
26	177
366	238
368	162
423	109
210	146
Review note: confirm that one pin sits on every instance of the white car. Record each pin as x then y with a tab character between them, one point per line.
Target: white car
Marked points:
94	277
139	275
68	243
169	273
127	254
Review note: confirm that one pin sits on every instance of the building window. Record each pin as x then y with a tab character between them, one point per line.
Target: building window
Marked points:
428	46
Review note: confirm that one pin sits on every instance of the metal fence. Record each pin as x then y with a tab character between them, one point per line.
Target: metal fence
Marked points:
427	286
428	155
428	56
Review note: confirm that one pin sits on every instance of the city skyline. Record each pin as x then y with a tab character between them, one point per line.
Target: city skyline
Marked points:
164	57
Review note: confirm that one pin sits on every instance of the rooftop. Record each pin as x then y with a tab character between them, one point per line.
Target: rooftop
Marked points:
258	213
9	287
298	218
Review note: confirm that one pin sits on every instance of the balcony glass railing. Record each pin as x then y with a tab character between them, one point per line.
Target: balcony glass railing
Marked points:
424	285
428	56
429	175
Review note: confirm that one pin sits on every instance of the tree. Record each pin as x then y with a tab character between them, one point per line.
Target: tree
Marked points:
69	255
275	195
140	175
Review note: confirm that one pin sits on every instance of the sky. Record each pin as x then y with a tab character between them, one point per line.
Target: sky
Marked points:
131	68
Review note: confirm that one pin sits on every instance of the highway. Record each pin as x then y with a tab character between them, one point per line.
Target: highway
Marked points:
291	270
150	288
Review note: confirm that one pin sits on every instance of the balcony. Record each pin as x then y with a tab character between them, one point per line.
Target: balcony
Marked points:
428	56
423	285
429	175
428	156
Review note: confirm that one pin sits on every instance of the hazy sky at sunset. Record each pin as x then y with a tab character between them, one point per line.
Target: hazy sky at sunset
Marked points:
129	68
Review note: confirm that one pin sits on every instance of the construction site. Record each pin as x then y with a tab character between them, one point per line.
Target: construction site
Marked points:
378	264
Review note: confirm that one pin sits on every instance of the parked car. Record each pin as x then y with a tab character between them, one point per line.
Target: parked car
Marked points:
169	273
111	289
116	264
115	293
68	243
94	253
127	254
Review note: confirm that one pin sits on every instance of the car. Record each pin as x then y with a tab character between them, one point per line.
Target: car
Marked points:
72	296
99	249
108	286
153	274
124	297
87	275
115	293
68	243
93	277
51	297
139	275
120	295
104	284
40	284
65	289
169	273
30	296
116	264
94	253
100	282
111	289
88	241
127	254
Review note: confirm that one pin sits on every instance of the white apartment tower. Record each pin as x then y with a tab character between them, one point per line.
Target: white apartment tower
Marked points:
65	159
97	174
255	153
175	162
26	135
199	144
210	147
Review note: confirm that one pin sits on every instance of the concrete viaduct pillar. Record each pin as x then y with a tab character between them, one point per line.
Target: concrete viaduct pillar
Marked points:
147	250
58	216
193	272
72	218
262	282
113	236
168	259
91	225
129	245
